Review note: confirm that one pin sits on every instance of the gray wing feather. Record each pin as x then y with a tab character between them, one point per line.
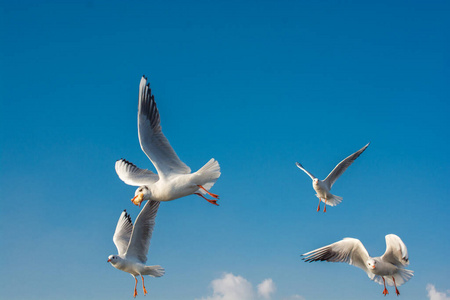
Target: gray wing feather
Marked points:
342	166
122	234
153	142
142	232
132	175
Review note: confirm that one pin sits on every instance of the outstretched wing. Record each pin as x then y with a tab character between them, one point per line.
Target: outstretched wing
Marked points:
304	170
152	140
122	234
348	250
132	175
342	166
396	251
142	232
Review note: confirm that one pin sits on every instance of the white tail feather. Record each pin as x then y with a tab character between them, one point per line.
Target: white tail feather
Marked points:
332	201
154	271
208	175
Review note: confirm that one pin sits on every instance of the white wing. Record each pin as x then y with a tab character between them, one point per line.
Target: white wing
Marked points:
342	166
142	232
132	175
152	140
122	234
396	252
348	250
304	170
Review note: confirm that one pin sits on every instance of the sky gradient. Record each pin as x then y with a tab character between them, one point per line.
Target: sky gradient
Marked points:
258	85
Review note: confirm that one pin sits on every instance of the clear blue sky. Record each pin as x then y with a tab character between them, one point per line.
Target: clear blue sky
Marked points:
258	85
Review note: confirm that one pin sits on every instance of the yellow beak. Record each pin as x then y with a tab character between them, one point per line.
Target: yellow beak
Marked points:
137	200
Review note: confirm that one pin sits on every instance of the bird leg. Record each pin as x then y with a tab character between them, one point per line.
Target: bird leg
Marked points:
325	206
210	201
318	207
211	194
396	290
385	291
135	291
143	286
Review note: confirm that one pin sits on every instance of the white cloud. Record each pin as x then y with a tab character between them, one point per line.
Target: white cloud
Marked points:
231	287
435	295
266	288
294	297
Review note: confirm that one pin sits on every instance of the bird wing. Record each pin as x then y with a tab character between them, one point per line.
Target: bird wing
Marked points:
396	251
122	234
132	175
304	170
152	140
142	232
342	166
348	250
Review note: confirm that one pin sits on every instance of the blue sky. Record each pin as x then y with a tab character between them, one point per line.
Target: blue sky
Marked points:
258	85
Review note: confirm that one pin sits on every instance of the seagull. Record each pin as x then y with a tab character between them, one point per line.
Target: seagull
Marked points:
174	178
323	187
387	268
132	243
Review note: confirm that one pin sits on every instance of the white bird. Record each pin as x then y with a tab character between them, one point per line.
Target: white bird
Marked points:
174	179
387	268
132	243
323	187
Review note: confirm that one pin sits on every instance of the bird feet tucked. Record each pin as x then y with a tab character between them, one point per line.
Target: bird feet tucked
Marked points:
209	200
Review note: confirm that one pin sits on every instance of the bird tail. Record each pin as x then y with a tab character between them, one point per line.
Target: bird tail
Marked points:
154	271
333	201
402	276
208	174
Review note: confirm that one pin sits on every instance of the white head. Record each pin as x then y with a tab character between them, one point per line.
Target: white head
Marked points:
141	194
371	264
315	181
113	259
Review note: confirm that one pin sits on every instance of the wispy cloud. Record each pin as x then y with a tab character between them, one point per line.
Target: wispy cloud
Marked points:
433	294
231	287
266	288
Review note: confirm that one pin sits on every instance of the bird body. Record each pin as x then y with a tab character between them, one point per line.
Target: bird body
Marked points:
133	242
174	178
323	187
388	268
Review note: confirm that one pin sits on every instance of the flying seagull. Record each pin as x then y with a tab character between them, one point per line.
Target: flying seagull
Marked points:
174	179
132	243
323	187
387	268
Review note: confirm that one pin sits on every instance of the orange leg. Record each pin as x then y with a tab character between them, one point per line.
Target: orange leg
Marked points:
210	201
385	291
318	207
211	194
325	206
135	291
396	290
143	286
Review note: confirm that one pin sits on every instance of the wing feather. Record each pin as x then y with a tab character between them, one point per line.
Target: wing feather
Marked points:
142	232
122	234
304	170
132	175
348	250
396	251
153	142
342	166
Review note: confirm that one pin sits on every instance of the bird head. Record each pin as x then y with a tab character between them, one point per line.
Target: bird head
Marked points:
315	181
371	264
113	259
141	194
